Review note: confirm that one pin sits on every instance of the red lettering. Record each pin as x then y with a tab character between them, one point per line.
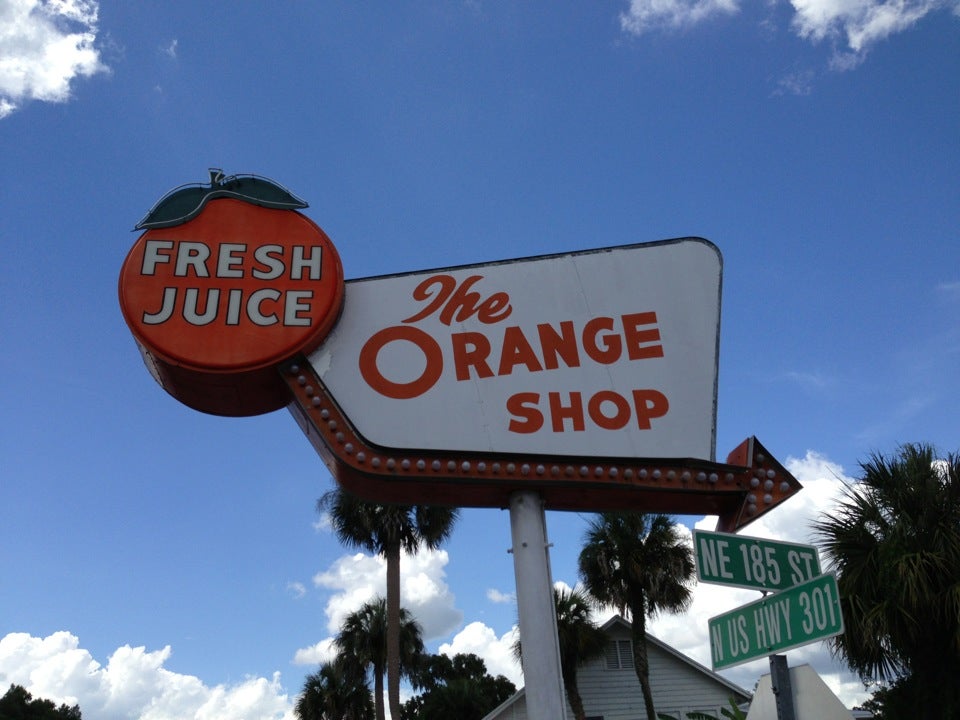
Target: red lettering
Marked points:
530	418
459	302
401	391
622	410
607	353
607	410
495	308
446	284
572	412
639	342
516	351
561	344
470	349
649	404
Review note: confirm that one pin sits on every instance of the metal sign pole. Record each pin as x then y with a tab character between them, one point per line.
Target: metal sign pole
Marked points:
780	684
538	617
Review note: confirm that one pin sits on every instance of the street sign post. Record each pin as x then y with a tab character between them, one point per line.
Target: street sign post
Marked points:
797	616
753	563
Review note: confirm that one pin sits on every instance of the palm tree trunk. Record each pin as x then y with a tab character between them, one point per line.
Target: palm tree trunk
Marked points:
393	629
573	697
378	692
641	662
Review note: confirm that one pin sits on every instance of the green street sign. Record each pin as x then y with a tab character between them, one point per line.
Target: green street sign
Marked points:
753	563
800	615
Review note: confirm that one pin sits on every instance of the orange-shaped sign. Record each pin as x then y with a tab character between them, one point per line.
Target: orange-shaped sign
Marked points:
217	300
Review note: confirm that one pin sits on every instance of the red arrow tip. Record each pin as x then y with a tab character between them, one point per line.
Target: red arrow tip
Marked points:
765	483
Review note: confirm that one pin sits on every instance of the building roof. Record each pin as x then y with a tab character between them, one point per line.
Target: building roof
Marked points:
653	640
611	628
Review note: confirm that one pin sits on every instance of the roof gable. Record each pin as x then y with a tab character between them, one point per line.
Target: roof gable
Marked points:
619	623
680	684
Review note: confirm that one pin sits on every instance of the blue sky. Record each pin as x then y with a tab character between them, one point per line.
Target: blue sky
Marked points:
816	143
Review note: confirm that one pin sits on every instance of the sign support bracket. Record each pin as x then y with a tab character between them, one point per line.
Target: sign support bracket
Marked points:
543	682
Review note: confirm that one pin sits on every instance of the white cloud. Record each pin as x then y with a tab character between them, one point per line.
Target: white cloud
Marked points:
296	589
497	652
500	598
133	684
322	652
799	83
44	45
644	15
859	24
357	579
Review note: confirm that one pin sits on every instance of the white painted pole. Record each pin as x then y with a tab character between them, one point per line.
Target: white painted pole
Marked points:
538	619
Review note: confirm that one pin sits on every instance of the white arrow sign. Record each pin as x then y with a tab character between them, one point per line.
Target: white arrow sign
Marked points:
607	353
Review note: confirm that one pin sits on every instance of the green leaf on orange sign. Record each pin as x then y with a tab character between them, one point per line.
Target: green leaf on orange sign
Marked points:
185	202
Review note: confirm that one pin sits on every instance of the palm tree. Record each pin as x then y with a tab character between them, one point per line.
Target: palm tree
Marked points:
337	691
363	642
580	639
638	563
894	541
387	530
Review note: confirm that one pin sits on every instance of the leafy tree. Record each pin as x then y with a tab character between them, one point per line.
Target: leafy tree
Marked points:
580	640
894	541
363	641
18	704
730	713
892	701
337	691
387	530
457	687
638	563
